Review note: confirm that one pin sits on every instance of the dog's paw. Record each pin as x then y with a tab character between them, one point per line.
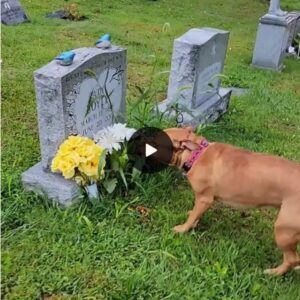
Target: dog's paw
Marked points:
180	229
274	272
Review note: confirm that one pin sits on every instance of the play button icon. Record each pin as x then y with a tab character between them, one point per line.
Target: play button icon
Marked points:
150	149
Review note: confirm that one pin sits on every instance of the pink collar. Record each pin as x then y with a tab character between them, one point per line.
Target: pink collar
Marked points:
195	154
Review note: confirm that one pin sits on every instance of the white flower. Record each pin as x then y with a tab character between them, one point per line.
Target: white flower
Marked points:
111	137
122	132
107	140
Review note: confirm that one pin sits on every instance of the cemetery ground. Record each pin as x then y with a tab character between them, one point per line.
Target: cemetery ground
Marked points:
107	249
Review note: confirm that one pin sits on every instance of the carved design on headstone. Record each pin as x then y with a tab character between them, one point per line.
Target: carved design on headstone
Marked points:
89	104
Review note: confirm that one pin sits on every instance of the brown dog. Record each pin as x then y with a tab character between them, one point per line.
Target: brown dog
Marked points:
241	178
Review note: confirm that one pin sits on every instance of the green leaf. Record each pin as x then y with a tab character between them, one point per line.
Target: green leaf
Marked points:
200	128
90	73
110	184
218	76
166	253
162	73
88	222
123	178
115	165
101	164
123	159
136	173
92	100
139	89
140	186
166	27
184	87
185	109
120	208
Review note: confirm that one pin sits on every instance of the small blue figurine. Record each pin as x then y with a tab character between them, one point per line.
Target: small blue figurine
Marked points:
65	58
104	42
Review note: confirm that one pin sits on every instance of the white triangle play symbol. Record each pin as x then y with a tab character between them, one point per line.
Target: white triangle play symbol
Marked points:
149	150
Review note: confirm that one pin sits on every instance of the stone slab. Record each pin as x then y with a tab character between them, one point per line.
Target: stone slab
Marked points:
207	112
198	56
12	12
274	36
50	185
81	98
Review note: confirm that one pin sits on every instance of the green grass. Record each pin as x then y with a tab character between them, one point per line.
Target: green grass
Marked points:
105	250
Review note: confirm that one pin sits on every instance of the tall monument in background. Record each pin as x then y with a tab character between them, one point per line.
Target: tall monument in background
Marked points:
275	34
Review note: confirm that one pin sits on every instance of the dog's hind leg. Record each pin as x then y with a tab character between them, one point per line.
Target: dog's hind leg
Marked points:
287	234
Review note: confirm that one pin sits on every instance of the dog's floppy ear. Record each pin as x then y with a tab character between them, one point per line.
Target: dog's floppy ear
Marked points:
185	144
190	145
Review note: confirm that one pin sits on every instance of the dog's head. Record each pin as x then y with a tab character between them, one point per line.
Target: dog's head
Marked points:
184	141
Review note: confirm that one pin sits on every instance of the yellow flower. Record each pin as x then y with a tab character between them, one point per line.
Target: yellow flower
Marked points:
55	163
86	152
90	168
66	165
74	158
78	153
67	168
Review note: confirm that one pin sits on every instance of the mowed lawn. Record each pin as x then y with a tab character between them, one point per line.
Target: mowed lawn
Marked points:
107	250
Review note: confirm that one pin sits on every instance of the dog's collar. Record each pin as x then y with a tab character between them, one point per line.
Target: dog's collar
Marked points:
195	154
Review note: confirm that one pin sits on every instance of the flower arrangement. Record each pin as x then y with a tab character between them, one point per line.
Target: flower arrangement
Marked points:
102	161
78	158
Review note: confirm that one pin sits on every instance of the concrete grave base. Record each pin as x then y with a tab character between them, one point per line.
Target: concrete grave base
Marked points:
207	112
51	185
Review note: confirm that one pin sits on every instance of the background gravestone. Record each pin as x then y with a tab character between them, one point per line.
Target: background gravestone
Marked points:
79	99
12	12
198	58
275	34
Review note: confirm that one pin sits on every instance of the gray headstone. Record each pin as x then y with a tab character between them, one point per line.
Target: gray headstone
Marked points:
274	36
12	12
198	58
79	99
72	101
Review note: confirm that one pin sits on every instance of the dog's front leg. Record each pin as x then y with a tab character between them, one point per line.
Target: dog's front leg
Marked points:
202	204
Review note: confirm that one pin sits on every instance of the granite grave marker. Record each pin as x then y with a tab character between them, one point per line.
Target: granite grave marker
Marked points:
198	58
78	99
275	34
12	12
